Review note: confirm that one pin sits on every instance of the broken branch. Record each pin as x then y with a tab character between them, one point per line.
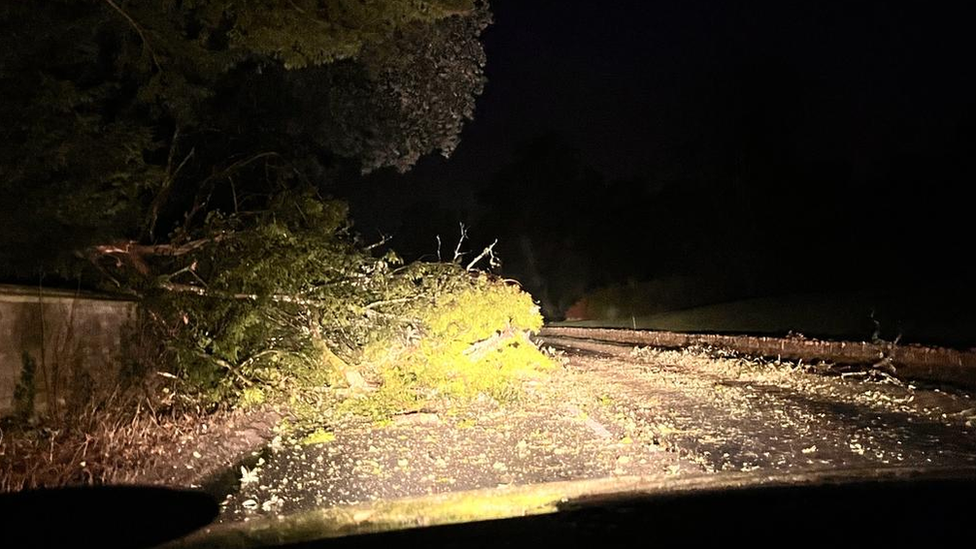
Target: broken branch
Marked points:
139	31
489	252
458	254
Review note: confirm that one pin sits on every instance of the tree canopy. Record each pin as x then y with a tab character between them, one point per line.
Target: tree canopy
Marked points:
131	119
183	151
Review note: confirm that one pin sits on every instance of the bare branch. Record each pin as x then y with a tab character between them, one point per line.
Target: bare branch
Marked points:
206	184
199	203
93	259
192	270
205	292
136	254
139	31
381	242
458	254
266	352
163	194
479	349
376	304
438	248
392	317
183	163
131	247
489	252
223	363
233	192
172	150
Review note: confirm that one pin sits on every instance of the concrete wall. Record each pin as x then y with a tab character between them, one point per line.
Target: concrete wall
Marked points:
75	339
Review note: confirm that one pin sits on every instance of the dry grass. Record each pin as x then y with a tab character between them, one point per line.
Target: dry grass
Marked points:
116	442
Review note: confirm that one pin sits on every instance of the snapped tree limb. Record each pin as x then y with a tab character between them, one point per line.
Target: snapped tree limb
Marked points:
489	252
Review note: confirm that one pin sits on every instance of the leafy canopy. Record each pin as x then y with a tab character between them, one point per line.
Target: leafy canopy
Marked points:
126	115
182	150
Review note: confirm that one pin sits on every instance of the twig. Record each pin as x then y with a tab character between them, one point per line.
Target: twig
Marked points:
138	29
457	249
233	192
490	252
230	367
381	242
392	317
172	150
264	353
479	349
156	250
226	172
160	199
204	292
375	304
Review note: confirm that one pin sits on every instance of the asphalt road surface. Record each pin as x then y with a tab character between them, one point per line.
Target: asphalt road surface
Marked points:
619	412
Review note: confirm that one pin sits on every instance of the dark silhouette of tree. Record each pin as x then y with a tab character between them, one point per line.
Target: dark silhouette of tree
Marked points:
127	119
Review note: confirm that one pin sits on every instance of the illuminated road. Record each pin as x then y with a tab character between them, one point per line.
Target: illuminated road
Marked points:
613	411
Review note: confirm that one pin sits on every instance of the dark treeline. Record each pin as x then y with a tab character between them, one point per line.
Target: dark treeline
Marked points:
772	151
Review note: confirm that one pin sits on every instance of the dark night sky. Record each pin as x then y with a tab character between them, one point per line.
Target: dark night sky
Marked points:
761	138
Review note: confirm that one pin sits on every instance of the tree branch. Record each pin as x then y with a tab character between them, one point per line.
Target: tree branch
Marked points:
163	194
230	367
135	254
458	254
379	243
490	252
206	185
139	31
132	247
205	292
236	166
376	304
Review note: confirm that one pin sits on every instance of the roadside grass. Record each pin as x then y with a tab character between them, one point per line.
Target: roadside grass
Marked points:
107	444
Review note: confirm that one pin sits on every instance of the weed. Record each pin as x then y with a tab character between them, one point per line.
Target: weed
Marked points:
26	390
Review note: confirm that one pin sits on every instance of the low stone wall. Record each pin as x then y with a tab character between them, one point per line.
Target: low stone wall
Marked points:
74	338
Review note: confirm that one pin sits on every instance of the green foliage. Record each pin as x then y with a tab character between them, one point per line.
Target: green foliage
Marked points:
285	305
251	397
309	32
476	313
75	174
131	117
180	148
318	436
470	338
409	96
252	296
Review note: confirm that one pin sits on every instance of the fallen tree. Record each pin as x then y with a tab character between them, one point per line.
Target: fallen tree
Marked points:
247	306
184	153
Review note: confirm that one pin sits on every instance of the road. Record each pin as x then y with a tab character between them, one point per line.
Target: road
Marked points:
612	411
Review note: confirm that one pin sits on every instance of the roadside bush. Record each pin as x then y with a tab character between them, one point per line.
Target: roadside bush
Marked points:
25	390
